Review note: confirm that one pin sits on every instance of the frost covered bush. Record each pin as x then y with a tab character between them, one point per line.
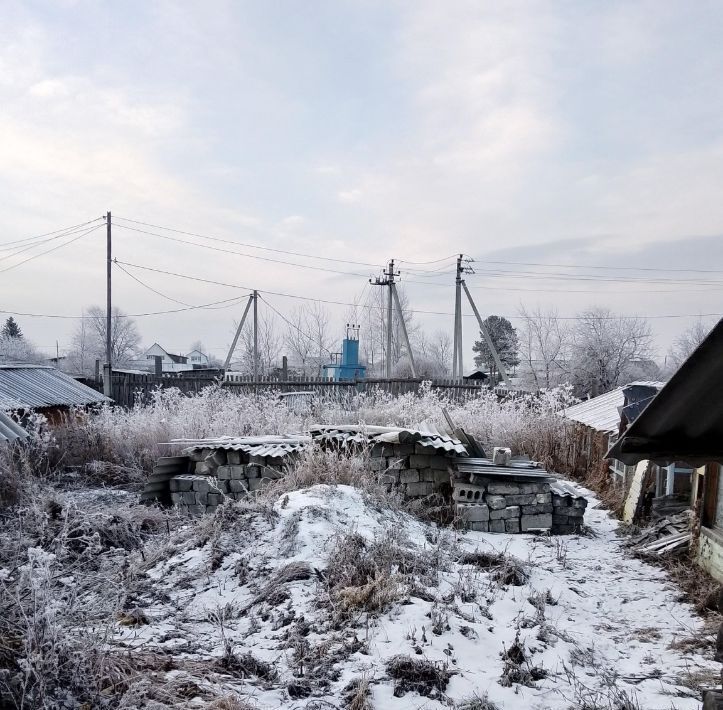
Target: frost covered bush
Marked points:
135	438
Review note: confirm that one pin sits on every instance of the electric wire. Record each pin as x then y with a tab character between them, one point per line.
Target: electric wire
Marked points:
5	245
35	245
295	327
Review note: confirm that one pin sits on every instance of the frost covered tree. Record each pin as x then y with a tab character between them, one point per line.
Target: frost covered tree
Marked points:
609	350
685	344
18	350
11	329
544	348
504	338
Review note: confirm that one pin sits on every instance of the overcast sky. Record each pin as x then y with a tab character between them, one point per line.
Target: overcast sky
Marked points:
572	134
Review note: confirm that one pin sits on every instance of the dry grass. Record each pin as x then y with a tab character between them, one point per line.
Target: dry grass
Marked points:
418	675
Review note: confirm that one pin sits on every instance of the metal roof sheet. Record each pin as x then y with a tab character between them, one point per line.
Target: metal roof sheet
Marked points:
10	430
38	386
602	413
270	446
564	490
514	469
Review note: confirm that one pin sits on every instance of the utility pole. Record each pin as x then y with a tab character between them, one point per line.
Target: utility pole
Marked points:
256	335
457	365
393	299
238	332
107	389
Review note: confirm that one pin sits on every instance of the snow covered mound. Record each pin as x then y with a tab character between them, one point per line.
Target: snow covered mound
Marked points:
327	597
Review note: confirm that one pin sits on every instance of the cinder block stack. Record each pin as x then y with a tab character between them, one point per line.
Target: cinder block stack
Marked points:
567	513
217	474
418	470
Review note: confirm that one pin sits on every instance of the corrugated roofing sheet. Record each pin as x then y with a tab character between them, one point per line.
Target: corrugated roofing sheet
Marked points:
272	446
38	386
10	430
564	490
602	413
513	470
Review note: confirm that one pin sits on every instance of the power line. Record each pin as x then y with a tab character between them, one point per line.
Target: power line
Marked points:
371	307
36	244
608	268
3	245
48	251
296	327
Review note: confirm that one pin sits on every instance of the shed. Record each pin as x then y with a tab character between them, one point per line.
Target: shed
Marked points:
42	388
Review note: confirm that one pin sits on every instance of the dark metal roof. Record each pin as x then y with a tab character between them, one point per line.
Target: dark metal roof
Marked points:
39	386
684	421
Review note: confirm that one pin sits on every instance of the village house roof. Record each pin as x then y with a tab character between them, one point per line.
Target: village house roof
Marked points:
602	413
684	421
40	386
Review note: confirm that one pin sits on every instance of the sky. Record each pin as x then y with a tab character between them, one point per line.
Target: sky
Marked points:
543	139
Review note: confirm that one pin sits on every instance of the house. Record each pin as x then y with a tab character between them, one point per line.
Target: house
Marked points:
684	422
597	423
477	376
25	388
170	362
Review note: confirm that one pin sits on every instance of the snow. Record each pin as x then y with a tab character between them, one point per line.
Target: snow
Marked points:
607	626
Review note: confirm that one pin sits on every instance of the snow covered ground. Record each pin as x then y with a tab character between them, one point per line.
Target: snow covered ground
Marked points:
579	624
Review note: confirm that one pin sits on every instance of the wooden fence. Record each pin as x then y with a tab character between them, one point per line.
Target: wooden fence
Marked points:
128	388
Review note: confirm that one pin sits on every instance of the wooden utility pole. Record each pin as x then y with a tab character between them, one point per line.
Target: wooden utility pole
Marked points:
107	374
390	283
256	335
238	332
457	360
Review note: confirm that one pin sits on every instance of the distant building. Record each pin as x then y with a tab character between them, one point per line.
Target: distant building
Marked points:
345	366
170	362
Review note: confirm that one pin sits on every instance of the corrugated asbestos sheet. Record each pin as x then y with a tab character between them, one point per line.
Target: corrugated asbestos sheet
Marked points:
514	469
10	430
602	413
428	435
272	446
564	490
38	386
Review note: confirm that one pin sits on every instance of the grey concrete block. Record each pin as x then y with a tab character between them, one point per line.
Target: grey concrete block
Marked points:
397	464
189	498
223	473
181	483
198	455
439	462
496	502
214	499
504	513
579	503
256	484
253	471
424	450
236	473
410	475
233	458
560	519
419	461
467	493
237	486
512	525
536	522
211	509
537	509
377	451
543	498
377	464
216	458
257	460
474	513
440	476
497	526
202	468
505	489
478	526
479	480
221	487
201	498
177	498
390	478
415	490
403	449
522	499
195	510
201	485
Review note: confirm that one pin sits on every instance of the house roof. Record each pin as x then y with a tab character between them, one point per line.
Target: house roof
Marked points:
684	421
38	386
10	430
603	413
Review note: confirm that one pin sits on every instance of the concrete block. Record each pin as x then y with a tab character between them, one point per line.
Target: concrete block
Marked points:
579	503
505	489
195	510
536	522
410	475
236	473
377	464
541	487
512	525
390	478
214	499
216	458
233	458
496	502
201	485
497	526
198	455
377	451
424	450
253	471
478	526
537	509
181	483
559	519
439	462
524	499
222	487
201	498
256	484
419	461
237	486
189	498
223	473
427	474
543	498
177	498
512	512
479	480
210	509
415	490
202	468
475	513
257	460
468	493
404	449
397	464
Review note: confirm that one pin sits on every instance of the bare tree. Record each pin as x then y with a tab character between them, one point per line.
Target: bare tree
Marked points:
685	344
441	351
298	340
269	345
544	348
607	349
319	330
89	338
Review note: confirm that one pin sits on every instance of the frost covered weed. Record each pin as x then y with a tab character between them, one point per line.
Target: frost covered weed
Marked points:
415	674
477	702
134	438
